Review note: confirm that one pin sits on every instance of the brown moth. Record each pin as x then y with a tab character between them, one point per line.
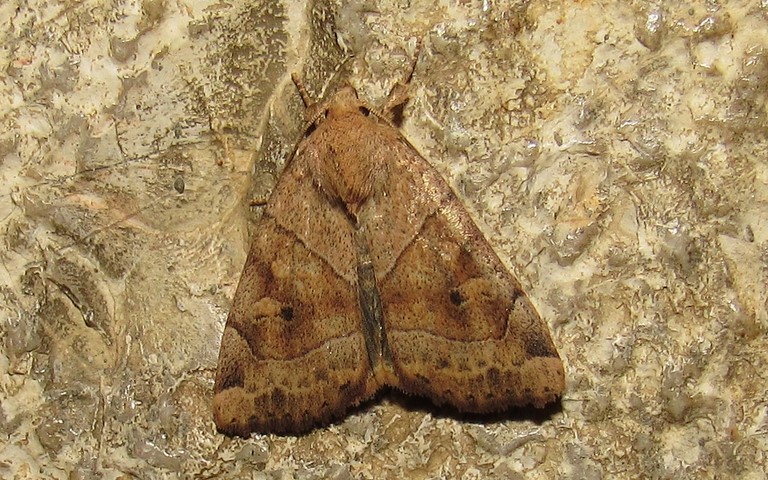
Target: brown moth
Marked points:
365	271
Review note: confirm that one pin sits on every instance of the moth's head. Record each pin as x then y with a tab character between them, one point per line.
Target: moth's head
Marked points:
344	101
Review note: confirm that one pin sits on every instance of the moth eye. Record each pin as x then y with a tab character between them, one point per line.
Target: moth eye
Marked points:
456	297
286	313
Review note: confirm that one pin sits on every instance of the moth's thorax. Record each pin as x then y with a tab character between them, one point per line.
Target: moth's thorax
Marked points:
342	102
347	167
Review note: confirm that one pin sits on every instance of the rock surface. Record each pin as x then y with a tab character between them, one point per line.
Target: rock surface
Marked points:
614	153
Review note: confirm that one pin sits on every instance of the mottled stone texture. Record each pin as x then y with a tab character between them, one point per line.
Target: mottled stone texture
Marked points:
614	152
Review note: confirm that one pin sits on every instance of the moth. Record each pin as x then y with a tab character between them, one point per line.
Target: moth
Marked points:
366	271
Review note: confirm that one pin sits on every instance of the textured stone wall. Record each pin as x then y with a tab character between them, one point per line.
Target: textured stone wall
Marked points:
614	154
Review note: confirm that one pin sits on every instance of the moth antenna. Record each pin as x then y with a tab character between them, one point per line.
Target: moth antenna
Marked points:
415	60
308	102
398	95
312	109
